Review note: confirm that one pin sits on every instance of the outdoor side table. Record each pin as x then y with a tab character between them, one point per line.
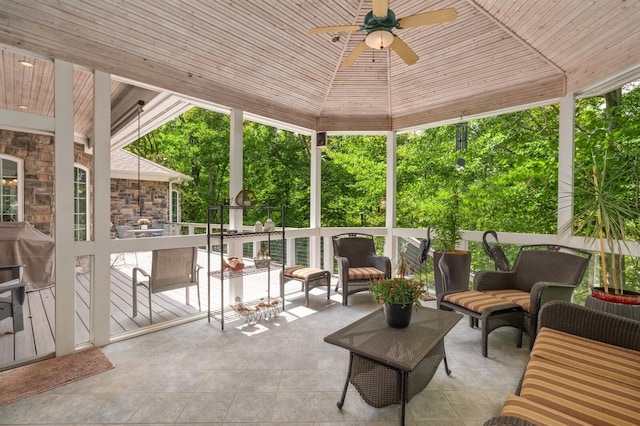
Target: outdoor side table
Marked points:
391	365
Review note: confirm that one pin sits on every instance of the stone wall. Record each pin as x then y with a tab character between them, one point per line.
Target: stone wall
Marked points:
125	208
37	153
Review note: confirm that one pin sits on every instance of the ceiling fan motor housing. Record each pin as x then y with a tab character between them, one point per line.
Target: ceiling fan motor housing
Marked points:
375	23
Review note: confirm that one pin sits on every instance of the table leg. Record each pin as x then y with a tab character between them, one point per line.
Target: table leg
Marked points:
446	366
346	383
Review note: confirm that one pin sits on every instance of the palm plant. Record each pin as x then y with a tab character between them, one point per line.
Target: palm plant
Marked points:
606	217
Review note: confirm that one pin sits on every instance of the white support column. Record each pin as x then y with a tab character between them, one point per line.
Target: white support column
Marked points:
315	207
565	167
390	217
65	257
235	186
100	291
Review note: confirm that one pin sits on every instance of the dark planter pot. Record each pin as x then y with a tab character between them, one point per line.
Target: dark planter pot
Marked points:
601	301
398	315
459	263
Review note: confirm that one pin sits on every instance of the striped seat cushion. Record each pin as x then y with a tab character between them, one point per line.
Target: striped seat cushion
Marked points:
588	397
518	297
538	414
595	358
366	273
303	272
291	269
473	300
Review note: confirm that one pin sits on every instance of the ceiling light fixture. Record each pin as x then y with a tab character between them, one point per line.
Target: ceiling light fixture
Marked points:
379	39
26	63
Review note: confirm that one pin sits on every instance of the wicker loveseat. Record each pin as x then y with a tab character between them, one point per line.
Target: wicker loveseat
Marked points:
584	370
540	273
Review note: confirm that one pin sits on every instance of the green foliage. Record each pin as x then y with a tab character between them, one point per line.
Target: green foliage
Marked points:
509	182
353	181
397	290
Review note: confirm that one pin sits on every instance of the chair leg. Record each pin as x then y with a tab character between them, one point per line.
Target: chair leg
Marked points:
150	309
135	293
485	336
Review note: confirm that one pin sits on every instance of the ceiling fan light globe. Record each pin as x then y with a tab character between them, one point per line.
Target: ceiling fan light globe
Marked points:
379	39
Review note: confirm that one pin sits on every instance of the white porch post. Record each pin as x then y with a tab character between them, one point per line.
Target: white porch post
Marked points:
390	217
235	186
100	274
315	206
565	167
65	256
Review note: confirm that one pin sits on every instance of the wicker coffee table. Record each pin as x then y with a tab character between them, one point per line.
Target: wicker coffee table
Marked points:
391	365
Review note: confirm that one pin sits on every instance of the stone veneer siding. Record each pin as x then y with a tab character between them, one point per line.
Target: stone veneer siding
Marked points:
37	153
124	202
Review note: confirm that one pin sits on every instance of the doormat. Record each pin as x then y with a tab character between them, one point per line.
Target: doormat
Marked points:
42	376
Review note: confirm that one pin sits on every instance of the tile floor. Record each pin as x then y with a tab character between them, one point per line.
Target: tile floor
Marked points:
272	373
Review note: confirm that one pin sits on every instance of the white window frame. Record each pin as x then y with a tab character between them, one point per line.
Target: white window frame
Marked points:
175	204
87	201
20	188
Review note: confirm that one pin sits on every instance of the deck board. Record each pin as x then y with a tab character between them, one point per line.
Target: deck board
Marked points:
38	337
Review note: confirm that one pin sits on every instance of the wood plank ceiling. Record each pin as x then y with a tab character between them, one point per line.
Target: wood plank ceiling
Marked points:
257	55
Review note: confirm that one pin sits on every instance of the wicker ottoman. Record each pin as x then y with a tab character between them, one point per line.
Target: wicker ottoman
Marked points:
308	277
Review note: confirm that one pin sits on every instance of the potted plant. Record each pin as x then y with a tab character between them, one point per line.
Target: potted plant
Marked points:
144	223
446	224
398	296
604	217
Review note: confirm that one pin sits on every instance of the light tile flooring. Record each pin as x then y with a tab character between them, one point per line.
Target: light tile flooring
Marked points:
275	372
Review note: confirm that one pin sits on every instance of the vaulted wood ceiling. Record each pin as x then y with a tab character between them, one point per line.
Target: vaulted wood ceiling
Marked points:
258	56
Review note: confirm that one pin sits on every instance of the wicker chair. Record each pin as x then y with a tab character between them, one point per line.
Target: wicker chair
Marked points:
540	273
358	263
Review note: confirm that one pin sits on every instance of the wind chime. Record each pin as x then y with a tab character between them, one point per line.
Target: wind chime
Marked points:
461	141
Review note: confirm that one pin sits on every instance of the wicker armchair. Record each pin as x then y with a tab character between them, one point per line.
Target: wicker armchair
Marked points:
540	273
358	263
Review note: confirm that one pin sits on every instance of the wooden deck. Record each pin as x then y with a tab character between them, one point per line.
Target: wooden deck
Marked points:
38	337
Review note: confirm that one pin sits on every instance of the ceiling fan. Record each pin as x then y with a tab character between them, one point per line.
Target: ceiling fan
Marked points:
380	22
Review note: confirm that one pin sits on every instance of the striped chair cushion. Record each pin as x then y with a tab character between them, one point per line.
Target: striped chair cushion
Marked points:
365	273
518	297
476	301
595	358
538	414
580	394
